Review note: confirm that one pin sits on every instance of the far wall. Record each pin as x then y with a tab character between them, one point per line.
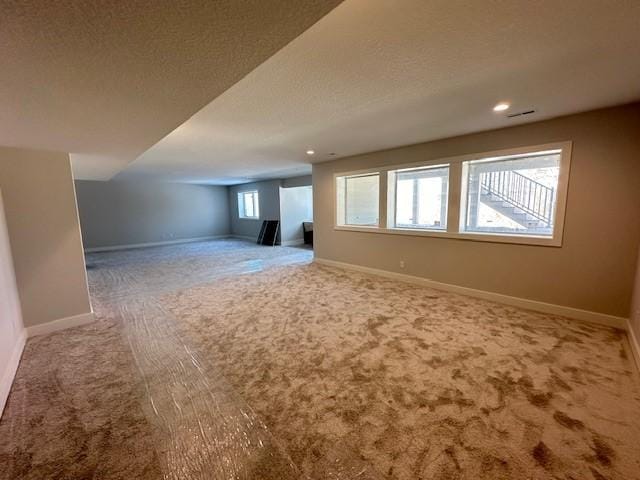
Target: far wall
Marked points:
269	201
269	198
119	213
304	181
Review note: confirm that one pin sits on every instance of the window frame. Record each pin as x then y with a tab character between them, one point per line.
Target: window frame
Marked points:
392	203
241	206
335	199
457	198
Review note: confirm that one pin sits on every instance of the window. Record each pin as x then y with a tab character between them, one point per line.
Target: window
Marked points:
419	197
248	205
512	195
509	196
358	199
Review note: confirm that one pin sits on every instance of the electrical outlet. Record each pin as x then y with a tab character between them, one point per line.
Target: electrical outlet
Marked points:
401	263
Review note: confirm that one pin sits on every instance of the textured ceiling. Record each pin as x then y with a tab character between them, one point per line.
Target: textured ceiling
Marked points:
107	79
374	74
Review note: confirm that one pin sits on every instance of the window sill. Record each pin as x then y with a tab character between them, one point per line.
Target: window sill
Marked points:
248	218
477	237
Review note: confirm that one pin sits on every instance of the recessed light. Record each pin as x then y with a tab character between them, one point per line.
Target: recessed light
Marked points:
501	107
310	152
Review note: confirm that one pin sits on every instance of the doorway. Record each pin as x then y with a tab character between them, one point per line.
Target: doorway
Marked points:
296	209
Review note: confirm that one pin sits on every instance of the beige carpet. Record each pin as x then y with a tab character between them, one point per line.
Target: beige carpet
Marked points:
420	383
75	411
343	375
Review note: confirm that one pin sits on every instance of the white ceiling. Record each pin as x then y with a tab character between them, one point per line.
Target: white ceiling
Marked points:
375	74
105	80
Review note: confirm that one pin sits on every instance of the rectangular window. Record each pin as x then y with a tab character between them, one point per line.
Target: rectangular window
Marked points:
248	205
513	195
516	195
419	197
358	199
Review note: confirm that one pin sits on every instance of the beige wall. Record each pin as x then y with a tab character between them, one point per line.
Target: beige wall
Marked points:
11	328
634	315
125	213
593	270
44	232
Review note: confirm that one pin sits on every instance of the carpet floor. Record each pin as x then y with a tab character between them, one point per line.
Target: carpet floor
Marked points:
228	360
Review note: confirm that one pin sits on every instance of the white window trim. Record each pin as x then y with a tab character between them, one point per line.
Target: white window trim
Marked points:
456	200
391	202
381	211
241	215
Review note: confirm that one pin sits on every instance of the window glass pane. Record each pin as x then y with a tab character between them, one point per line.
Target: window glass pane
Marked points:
512	195
358	198
248	205
421	198
256	205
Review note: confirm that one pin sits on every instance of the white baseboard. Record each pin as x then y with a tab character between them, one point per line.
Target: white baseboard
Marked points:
244	237
291	243
153	244
287	243
12	366
60	324
575	313
10	370
635	344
